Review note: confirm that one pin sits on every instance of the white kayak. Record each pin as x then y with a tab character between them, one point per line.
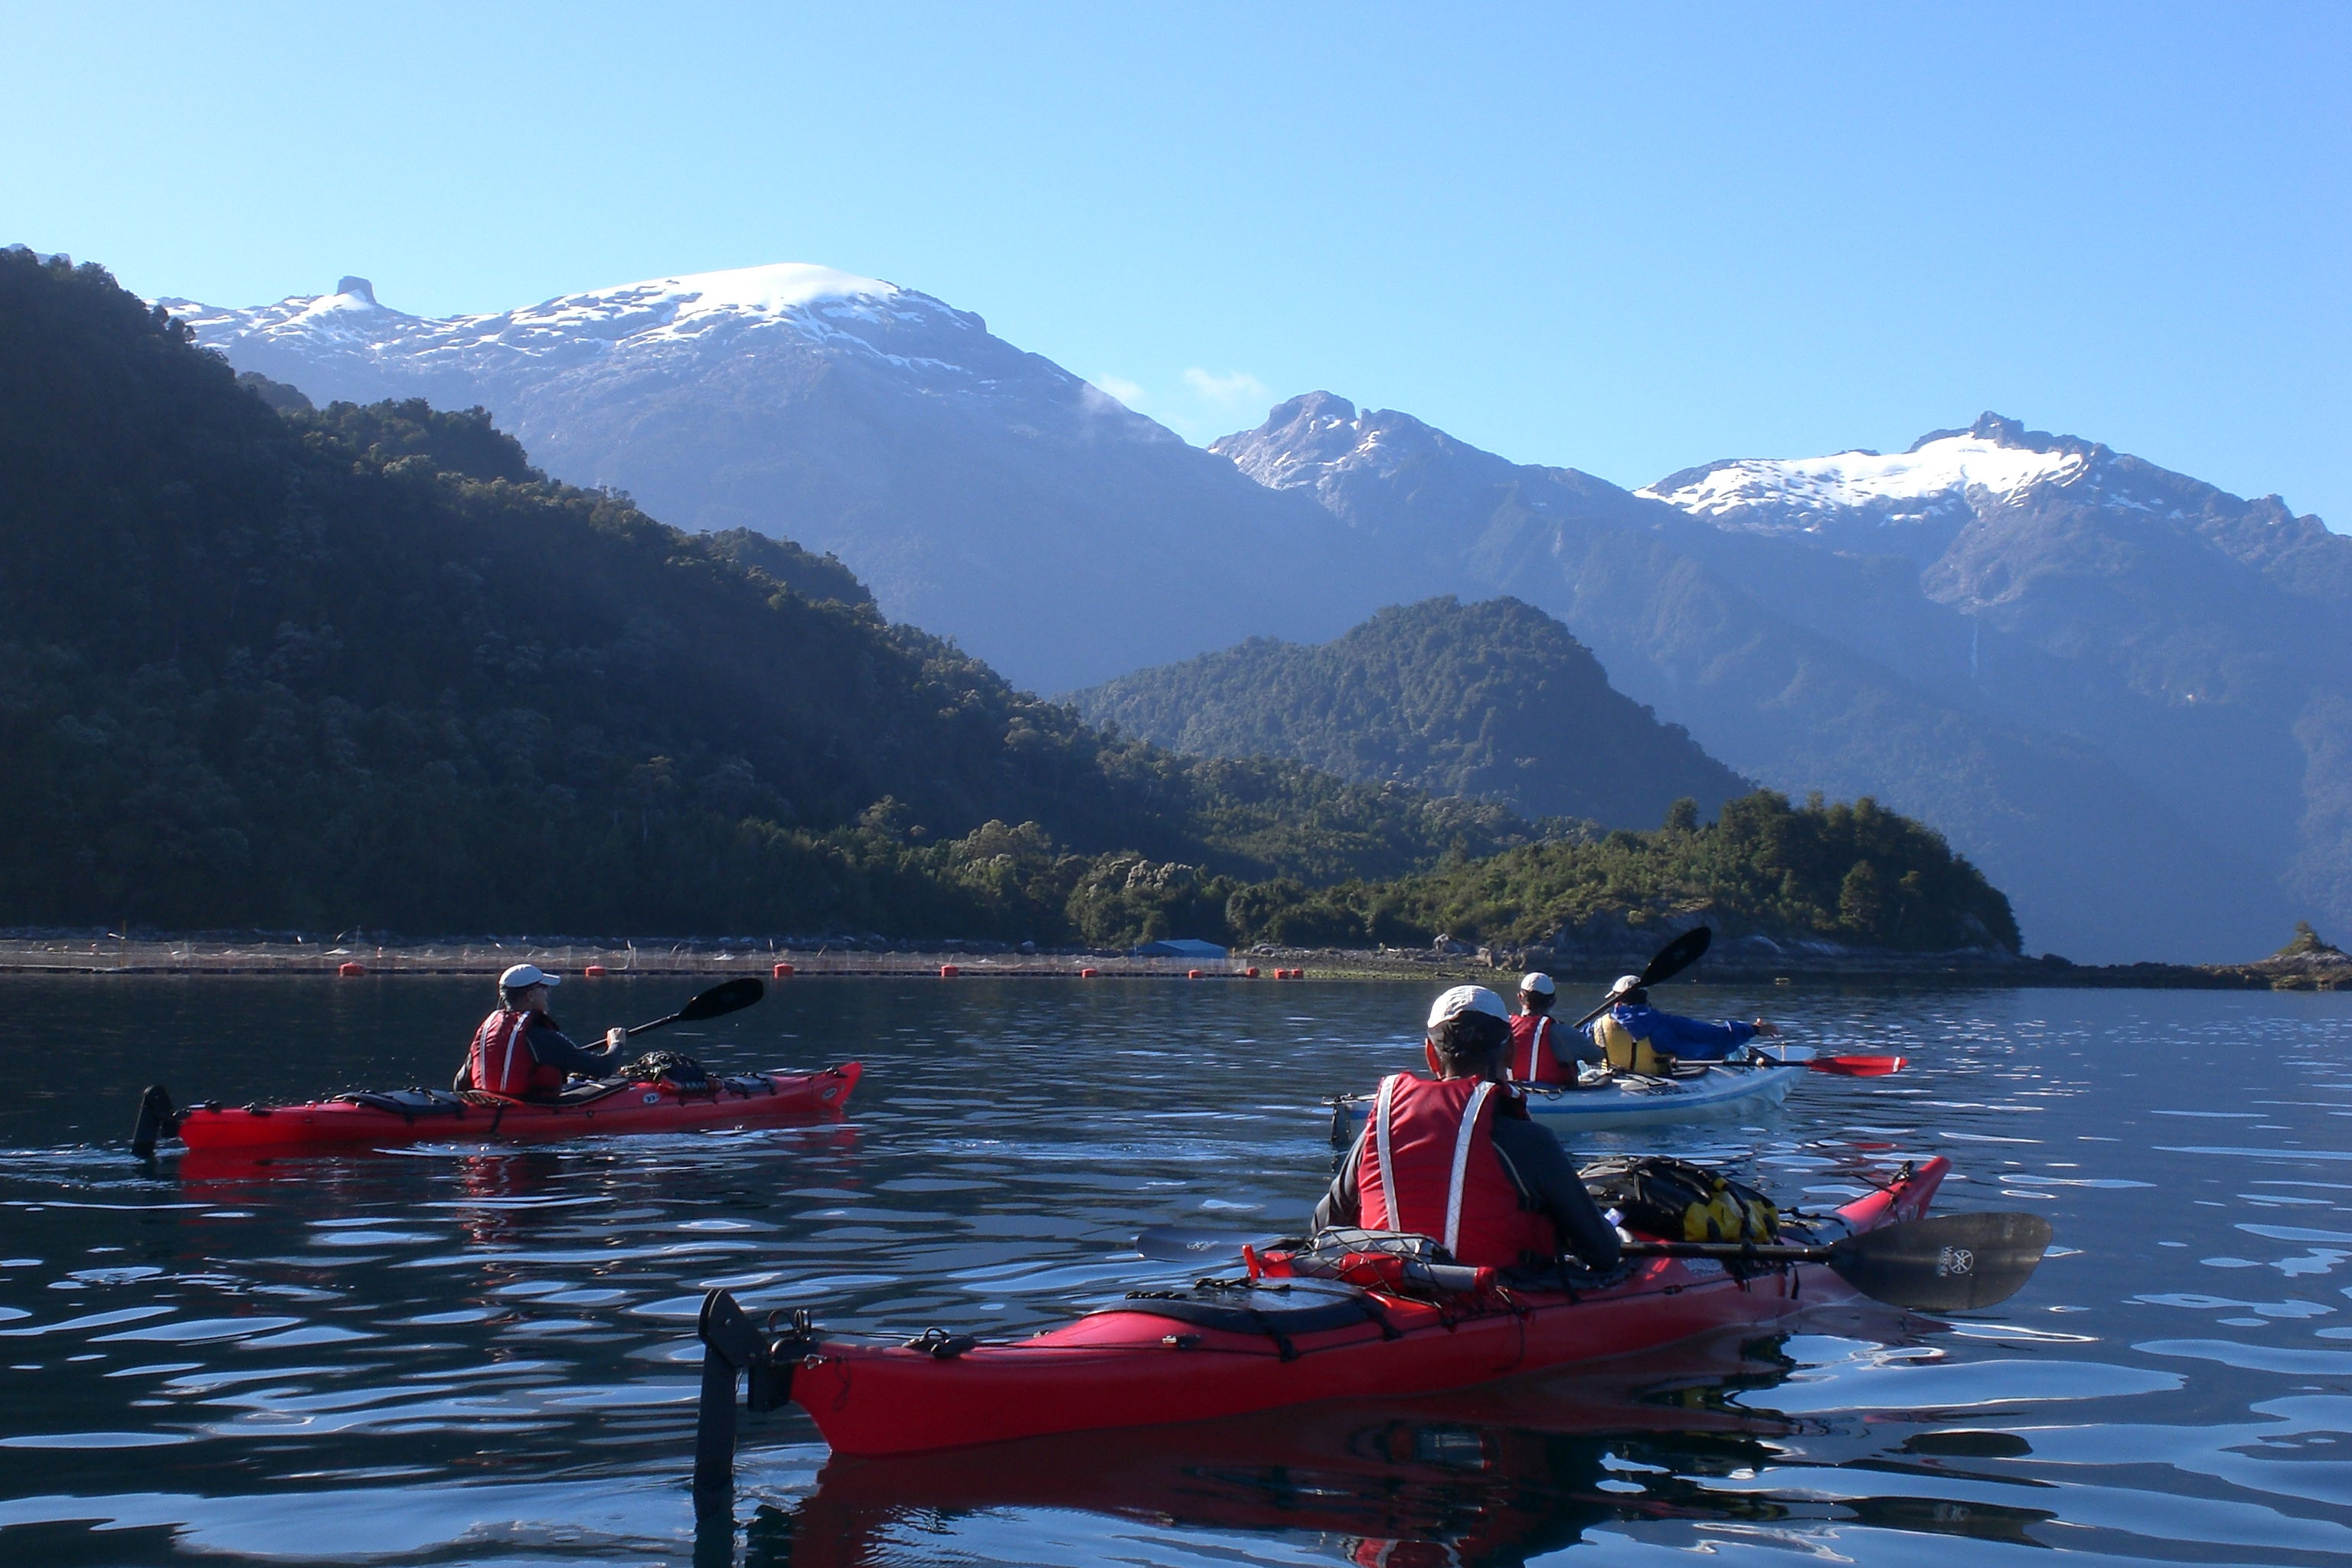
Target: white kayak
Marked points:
1632	1099
1636	1099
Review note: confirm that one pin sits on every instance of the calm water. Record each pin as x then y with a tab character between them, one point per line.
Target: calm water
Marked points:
454	1356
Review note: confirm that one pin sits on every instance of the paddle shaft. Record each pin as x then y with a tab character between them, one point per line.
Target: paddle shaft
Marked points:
1944	1263
1731	1251
1664	964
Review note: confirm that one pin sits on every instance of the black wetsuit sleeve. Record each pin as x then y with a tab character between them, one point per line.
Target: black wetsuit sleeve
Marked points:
554	1049
1575	1045
1549	1177
1342	1204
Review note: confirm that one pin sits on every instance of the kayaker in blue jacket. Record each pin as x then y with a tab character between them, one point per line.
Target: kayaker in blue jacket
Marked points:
1635	1036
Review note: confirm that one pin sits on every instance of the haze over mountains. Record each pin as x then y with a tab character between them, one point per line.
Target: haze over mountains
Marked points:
2125	694
980	491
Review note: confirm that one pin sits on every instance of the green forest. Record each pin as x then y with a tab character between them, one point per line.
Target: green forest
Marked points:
1494	700
268	665
1855	874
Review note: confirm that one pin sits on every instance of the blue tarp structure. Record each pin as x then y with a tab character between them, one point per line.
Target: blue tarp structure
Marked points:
1180	947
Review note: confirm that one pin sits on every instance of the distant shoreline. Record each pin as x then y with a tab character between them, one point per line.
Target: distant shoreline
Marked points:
290	956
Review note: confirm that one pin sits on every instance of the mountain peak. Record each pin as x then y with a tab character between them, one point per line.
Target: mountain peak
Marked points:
356	287
1999	430
1997	456
770	290
1298	438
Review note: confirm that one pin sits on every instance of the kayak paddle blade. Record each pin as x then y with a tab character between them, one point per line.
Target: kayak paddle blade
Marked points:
1666	962
156	1120
1948	1263
1677	955
732	996
1857	1067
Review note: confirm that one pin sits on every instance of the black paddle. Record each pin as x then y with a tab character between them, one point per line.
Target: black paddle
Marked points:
1948	1263
1670	961
728	996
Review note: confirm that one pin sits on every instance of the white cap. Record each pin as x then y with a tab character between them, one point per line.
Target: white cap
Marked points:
1467	999
524	975
1625	983
1539	982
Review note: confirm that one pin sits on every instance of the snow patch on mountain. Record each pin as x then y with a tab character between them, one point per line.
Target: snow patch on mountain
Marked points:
678	307
822	305
1938	471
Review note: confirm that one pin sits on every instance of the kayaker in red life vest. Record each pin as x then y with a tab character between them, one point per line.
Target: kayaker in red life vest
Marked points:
519	1051
1455	1156
1542	1051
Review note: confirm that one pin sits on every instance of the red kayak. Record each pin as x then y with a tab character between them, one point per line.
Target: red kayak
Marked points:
1495	1474
420	1115
1222	1349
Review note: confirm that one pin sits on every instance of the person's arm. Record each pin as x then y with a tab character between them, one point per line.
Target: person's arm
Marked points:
1342	1204
465	1078
553	1048
1548	1175
1690	1038
1570	1046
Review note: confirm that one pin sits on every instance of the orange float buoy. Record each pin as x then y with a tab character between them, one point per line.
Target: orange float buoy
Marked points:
1085	974
1192	974
594	972
783	972
948	972
1250	973
348	969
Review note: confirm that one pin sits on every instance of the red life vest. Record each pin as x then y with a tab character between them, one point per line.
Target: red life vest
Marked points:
1428	1166
1532	1058
501	1062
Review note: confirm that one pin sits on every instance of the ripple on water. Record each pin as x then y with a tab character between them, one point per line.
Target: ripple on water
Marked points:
462	1354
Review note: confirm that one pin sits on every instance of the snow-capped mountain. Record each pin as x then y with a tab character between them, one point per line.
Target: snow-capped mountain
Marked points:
1911	502
2127	694
2122	691
1915	502
346	344
984	493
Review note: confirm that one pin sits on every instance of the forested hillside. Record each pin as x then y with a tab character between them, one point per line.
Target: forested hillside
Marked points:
262	664
366	666
1854	874
1493	700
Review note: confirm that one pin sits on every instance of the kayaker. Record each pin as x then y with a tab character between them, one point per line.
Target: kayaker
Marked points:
1635	1036
1541	1052
519	1052
1456	1157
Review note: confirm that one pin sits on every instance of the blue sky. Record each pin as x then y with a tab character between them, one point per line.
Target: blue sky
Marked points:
1623	242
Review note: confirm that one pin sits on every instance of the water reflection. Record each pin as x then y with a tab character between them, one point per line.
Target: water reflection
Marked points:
1494	1476
454	1355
